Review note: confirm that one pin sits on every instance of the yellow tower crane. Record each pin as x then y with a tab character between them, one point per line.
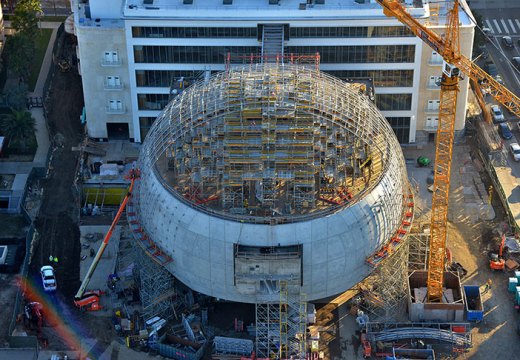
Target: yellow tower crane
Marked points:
454	64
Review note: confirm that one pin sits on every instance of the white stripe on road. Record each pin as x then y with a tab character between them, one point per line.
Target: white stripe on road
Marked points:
511	24
504	25
497	26
517	23
488	25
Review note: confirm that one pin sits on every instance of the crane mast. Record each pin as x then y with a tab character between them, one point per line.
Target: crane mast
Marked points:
449	48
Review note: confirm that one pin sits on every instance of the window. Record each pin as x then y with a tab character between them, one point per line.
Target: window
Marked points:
434	82
115	106
431	124
112	82
145	123
392	102
111	58
436	58
152	101
401	127
433	105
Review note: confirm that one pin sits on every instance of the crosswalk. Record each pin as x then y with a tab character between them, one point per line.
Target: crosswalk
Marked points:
503	26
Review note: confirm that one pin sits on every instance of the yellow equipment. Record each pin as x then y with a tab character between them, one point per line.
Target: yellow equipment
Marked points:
448	47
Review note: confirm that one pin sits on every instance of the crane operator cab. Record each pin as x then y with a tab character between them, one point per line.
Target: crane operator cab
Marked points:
450	70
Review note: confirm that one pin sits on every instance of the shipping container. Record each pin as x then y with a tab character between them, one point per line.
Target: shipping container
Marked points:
473	300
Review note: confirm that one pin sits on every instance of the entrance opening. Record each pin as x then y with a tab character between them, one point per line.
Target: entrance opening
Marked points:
4	203
431	137
118	131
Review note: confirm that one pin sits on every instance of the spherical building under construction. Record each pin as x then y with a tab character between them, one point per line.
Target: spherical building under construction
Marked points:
267	173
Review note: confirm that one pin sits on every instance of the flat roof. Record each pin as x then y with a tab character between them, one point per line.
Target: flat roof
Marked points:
285	10
257	9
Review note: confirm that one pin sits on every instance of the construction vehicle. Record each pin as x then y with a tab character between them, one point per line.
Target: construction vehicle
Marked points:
496	261
89	300
34	314
454	65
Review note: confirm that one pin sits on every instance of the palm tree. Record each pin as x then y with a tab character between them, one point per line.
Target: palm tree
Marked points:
19	127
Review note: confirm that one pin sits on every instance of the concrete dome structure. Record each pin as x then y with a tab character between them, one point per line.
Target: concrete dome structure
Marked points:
267	173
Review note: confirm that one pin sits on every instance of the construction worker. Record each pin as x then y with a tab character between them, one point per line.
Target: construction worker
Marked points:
487	287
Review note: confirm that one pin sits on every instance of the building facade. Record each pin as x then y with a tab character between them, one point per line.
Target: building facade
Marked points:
134	55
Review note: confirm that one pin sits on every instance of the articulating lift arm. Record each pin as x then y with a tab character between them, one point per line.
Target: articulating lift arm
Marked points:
134	174
448	48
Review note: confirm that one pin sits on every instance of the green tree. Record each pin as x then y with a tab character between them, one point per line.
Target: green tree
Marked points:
25	17
19	127
17	96
20	50
479	38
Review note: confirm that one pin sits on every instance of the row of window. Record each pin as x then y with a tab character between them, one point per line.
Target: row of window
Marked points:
189	54
328	54
392	102
194	32
252	32
350	32
358	54
166	78
381	78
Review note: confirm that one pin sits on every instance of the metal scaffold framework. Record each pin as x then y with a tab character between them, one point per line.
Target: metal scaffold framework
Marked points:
384	293
156	286
269	143
281	327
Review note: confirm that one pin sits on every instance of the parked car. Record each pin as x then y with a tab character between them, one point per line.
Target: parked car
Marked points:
491	68
496	111
505	131
508	42
516	62
487	32
48	278
514	148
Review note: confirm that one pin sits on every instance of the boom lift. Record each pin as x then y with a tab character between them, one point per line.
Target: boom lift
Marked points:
89	300
454	63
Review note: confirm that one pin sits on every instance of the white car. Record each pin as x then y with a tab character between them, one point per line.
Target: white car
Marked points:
515	151
496	111
48	278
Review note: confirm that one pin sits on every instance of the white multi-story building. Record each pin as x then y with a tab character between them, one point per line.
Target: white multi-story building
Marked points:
134	53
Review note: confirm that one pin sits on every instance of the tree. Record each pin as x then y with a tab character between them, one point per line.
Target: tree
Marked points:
25	17
479	38
19	127
20	50
17	96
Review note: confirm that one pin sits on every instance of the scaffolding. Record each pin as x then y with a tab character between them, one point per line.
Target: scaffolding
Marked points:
281	327
269	143
384	293
156	287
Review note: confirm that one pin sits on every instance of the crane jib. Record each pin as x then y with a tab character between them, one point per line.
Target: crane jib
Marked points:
424	36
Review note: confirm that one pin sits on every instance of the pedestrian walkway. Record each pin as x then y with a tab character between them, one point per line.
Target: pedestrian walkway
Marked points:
503	26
